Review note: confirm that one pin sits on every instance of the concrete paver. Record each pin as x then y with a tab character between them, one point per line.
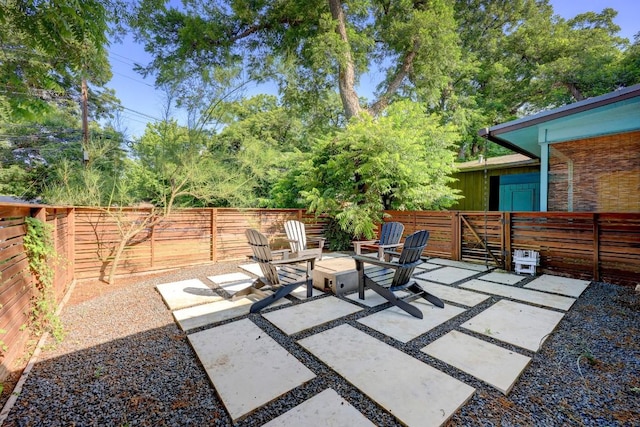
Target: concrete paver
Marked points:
327	408
215	312
558	285
459	264
520	294
402	326
186	293
519	324
299	317
504	278
453	294
414	392
371	298
447	275
247	367
230	277
488	362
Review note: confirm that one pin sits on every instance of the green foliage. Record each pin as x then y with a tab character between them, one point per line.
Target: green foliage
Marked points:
401	160
42	257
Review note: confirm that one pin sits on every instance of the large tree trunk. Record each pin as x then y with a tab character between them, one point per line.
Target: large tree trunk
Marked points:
346	77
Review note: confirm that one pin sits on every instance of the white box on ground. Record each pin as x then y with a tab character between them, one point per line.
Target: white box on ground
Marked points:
338	275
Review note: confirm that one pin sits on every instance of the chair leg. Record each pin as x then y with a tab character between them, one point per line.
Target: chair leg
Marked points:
417	289
279	294
389	296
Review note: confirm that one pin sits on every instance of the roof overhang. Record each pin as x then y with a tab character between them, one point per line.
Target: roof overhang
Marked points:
614	112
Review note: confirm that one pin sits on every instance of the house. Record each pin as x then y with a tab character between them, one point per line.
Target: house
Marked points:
504	183
589	152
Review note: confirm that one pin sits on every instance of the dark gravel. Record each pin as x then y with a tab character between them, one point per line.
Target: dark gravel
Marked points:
124	362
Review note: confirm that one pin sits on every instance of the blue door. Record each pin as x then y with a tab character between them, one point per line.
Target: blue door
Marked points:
520	192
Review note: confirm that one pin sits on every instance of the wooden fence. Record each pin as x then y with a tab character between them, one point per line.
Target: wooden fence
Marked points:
592	246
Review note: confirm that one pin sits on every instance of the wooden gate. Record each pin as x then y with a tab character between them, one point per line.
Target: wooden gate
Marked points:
482	237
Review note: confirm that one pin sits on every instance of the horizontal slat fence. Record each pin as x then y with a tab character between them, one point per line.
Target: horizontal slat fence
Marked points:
593	246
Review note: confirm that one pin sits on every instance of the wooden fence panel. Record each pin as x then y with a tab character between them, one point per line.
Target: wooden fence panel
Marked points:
439	224
564	241
619	248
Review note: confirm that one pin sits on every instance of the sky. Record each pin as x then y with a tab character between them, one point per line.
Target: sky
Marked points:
142	103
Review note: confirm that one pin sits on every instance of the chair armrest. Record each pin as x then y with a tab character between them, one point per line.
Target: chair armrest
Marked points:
386	264
357	244
295	260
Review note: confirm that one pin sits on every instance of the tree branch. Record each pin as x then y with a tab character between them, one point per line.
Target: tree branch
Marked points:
394	84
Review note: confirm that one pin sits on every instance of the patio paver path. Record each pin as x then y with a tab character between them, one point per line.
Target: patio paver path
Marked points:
416	393
521	294
238	356
239	359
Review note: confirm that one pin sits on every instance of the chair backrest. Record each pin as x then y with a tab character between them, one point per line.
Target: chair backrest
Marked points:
262	254
391	233
412	249
296	233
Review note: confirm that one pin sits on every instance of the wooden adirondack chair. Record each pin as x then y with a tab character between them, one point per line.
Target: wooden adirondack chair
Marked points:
399	276
282	281
298	240
389	238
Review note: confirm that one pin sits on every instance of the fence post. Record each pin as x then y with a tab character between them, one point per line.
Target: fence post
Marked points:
456	237
214	234
596	247
71	237
506	233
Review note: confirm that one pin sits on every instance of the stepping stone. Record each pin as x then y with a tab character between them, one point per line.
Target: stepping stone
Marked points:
459	264
522	325
234	287
414	392
447	275
427	266
504	278
301	293
453	294
252	268
521	294
488	362
402	326
215	312
295	319
372	299
247	367
186	293
324	409
559	285
227	278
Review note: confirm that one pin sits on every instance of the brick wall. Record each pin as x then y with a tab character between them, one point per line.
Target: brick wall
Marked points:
599	174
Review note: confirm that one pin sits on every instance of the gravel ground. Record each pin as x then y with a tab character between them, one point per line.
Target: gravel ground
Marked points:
124	362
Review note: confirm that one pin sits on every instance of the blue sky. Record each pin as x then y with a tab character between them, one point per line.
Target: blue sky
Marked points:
143	103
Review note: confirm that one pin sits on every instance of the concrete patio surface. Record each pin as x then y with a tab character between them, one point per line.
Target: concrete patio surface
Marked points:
494	344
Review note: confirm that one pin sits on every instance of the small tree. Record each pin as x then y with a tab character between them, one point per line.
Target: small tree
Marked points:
401	160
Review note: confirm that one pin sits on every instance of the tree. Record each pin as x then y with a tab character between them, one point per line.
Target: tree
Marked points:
400	160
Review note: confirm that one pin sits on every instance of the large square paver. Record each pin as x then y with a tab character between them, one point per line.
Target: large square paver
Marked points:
558	285
247	367
186	293
522	325
521	294
216	312
488	362
414	392
459	264
230	277
303	316
504	278
253	268
453	294
402	326
447	275
371	298
324	409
